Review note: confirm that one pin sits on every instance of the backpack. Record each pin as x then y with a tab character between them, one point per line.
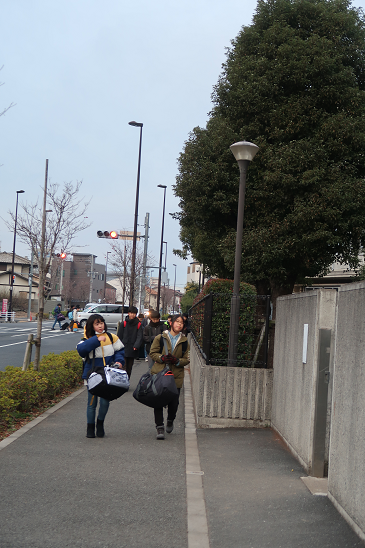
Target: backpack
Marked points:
125	324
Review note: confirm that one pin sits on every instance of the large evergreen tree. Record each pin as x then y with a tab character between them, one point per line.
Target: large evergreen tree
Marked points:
294	84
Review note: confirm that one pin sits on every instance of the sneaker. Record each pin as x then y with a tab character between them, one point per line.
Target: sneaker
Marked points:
160	433
146	359
169	426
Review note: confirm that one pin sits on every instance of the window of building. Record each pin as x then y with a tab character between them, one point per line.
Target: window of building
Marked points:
193	268
188	269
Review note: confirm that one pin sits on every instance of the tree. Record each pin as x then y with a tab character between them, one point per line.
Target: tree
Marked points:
294	84
64	219
191	291
11	104
121	261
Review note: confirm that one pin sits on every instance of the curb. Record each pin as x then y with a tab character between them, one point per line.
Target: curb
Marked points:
24	429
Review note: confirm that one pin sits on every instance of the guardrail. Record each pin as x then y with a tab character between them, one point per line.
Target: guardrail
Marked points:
7	316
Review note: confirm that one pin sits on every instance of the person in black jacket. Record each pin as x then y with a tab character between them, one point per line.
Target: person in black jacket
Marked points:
131	335
154	328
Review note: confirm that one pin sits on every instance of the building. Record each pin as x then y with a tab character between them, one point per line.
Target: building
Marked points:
82	280
22	267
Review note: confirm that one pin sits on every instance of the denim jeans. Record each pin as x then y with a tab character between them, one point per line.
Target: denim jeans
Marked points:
55	321
91	408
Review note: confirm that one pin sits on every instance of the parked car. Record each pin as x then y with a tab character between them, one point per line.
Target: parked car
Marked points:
112	314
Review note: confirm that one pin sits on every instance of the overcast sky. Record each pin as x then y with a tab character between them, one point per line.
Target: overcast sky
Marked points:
79	71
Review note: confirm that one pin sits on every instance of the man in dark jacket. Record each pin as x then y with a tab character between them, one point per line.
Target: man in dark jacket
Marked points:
154	328
131	334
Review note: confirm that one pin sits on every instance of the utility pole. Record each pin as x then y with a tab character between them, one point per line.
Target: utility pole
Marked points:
142	294
41	276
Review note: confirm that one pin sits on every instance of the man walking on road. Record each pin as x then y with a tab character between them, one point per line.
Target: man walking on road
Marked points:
56	312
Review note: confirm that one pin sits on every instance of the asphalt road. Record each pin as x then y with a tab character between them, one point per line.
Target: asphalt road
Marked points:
13	338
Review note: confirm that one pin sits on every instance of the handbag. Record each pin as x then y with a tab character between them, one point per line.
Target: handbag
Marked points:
107	382
156	390
60	317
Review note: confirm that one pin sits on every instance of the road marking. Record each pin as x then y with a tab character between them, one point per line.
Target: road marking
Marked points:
23	342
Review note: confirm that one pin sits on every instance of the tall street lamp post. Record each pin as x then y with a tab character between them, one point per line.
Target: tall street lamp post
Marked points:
173	305
133	265
244	152
161	246
13	260
106	270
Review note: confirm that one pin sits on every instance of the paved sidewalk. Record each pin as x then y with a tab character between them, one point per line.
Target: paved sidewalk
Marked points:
256	499
60	489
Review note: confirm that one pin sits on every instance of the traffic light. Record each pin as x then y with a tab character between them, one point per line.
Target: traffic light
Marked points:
113	235
63	255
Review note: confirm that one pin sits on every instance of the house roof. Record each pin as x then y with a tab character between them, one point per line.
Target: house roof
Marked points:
35	280
8	258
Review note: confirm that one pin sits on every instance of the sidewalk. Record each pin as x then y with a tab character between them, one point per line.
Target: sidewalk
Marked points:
60	489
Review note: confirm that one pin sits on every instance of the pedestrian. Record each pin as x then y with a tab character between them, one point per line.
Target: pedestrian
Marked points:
176	359
56	312
142	350
131	335
98	348
186	329
168	322
154	328
70	317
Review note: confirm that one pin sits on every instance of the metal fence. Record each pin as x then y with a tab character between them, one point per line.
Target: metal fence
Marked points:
209	323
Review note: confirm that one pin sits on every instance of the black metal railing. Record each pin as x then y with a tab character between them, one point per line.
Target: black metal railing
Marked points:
209	324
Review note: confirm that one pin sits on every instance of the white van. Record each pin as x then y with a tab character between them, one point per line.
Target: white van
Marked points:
112	314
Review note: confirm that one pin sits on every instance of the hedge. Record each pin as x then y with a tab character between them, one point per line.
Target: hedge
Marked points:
22	391
222	290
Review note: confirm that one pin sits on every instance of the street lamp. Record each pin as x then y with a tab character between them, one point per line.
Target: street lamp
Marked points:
173	305
133	265
244	152
106	270
13	260
161	246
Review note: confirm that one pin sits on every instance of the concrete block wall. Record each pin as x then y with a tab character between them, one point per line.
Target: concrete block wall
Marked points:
346	477
295	387
230	396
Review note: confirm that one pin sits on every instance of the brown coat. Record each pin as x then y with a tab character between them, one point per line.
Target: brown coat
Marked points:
155	354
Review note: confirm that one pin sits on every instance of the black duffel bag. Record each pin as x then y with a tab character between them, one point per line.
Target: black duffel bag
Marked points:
156	390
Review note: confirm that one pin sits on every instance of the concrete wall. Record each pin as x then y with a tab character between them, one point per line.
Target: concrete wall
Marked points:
229	396
346	480
295	382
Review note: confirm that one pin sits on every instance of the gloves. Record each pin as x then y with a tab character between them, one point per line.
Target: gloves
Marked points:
169	359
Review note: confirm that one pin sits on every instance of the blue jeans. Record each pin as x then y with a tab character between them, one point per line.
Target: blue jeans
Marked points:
91	408
55	321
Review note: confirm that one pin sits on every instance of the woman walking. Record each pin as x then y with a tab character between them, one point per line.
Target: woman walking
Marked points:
171	348
99	348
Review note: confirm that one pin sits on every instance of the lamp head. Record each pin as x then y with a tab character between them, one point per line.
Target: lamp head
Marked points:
135	124
162	186
244	150
20	191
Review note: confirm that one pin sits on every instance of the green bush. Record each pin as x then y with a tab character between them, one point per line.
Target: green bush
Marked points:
222	292
22	391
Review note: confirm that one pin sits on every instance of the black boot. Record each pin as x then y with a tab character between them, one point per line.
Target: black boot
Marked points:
100	428
90	430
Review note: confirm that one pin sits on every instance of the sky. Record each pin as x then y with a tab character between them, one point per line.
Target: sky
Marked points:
78	71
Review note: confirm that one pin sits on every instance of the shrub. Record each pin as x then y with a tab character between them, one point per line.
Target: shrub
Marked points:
222	292
22	391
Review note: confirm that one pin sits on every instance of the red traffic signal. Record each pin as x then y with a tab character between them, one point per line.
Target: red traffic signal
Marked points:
106	234
63	255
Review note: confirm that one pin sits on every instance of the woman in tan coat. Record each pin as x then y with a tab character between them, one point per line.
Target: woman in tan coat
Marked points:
176	357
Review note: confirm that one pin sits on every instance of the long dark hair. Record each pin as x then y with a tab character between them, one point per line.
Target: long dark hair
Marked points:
90	331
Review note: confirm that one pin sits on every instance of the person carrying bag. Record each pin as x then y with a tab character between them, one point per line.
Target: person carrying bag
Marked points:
175	355
98	347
